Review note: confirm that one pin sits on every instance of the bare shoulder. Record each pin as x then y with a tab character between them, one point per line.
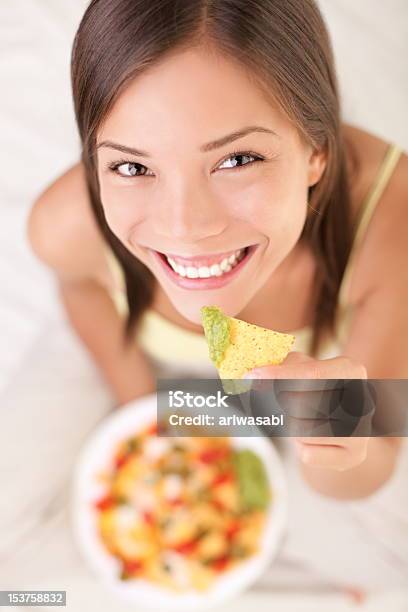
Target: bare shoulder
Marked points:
63	232
379	257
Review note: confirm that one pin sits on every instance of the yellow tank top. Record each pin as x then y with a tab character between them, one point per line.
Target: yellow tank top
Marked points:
172	347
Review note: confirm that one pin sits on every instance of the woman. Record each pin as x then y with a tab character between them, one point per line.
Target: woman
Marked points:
212	137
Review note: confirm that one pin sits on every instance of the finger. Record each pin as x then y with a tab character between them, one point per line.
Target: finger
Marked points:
295	357
337	367
333	456
309	427
328	456
312	384
308	404
349	442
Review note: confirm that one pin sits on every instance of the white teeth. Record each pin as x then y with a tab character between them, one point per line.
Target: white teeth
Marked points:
191	272
215	270
224	265
172	263
204	271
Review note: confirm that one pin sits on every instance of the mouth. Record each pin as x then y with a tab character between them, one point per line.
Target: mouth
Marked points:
209	272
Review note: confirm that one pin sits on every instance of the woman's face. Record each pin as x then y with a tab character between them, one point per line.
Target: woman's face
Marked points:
178	179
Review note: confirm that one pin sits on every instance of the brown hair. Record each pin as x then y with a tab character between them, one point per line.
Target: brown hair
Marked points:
284	44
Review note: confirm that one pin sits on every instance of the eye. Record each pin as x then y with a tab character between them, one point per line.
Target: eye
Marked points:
239	159
128	169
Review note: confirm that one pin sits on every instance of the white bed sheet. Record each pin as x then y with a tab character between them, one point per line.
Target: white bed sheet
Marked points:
51	395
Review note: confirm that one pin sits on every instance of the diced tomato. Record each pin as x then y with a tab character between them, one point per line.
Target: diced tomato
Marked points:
217	505
223	478
176	501
220	564
105	502
186	547
132	566
148	517
152	430
213	454
121	460
232	529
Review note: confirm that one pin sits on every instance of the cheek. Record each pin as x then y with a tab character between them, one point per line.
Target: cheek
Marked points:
121	208
275	203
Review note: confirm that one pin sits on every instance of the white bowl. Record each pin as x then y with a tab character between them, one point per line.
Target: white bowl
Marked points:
96	457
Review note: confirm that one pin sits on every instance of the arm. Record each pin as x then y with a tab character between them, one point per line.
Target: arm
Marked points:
361	480
378	338
60	223
90	309
355	467
377	341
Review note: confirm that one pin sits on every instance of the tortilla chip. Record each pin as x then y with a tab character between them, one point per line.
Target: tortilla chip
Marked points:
236	347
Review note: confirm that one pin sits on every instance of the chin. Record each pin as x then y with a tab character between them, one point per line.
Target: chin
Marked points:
192	311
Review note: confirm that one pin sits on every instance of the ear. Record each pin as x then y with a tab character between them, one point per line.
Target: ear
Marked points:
317	165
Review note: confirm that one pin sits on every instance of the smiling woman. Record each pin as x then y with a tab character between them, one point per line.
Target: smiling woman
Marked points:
215	170
206	75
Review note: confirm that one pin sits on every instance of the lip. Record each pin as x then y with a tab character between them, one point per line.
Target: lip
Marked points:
213	282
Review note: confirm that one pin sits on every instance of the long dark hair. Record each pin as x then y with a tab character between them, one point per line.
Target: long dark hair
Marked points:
284	44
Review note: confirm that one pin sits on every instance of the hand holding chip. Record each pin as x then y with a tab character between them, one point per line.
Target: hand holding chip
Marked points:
338	453
241	350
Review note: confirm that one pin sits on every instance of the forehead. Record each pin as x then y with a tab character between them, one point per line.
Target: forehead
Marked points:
195	93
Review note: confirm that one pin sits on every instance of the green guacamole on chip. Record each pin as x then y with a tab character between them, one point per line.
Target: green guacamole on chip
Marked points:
217	332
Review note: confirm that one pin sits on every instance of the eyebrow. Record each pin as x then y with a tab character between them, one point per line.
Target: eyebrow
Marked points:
209	146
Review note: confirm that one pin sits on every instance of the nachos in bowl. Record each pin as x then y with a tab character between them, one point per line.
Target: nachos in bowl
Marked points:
179	512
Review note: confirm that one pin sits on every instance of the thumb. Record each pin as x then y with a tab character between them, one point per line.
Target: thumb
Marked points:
296	357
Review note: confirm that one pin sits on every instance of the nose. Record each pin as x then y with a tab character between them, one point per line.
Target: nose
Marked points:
189	214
